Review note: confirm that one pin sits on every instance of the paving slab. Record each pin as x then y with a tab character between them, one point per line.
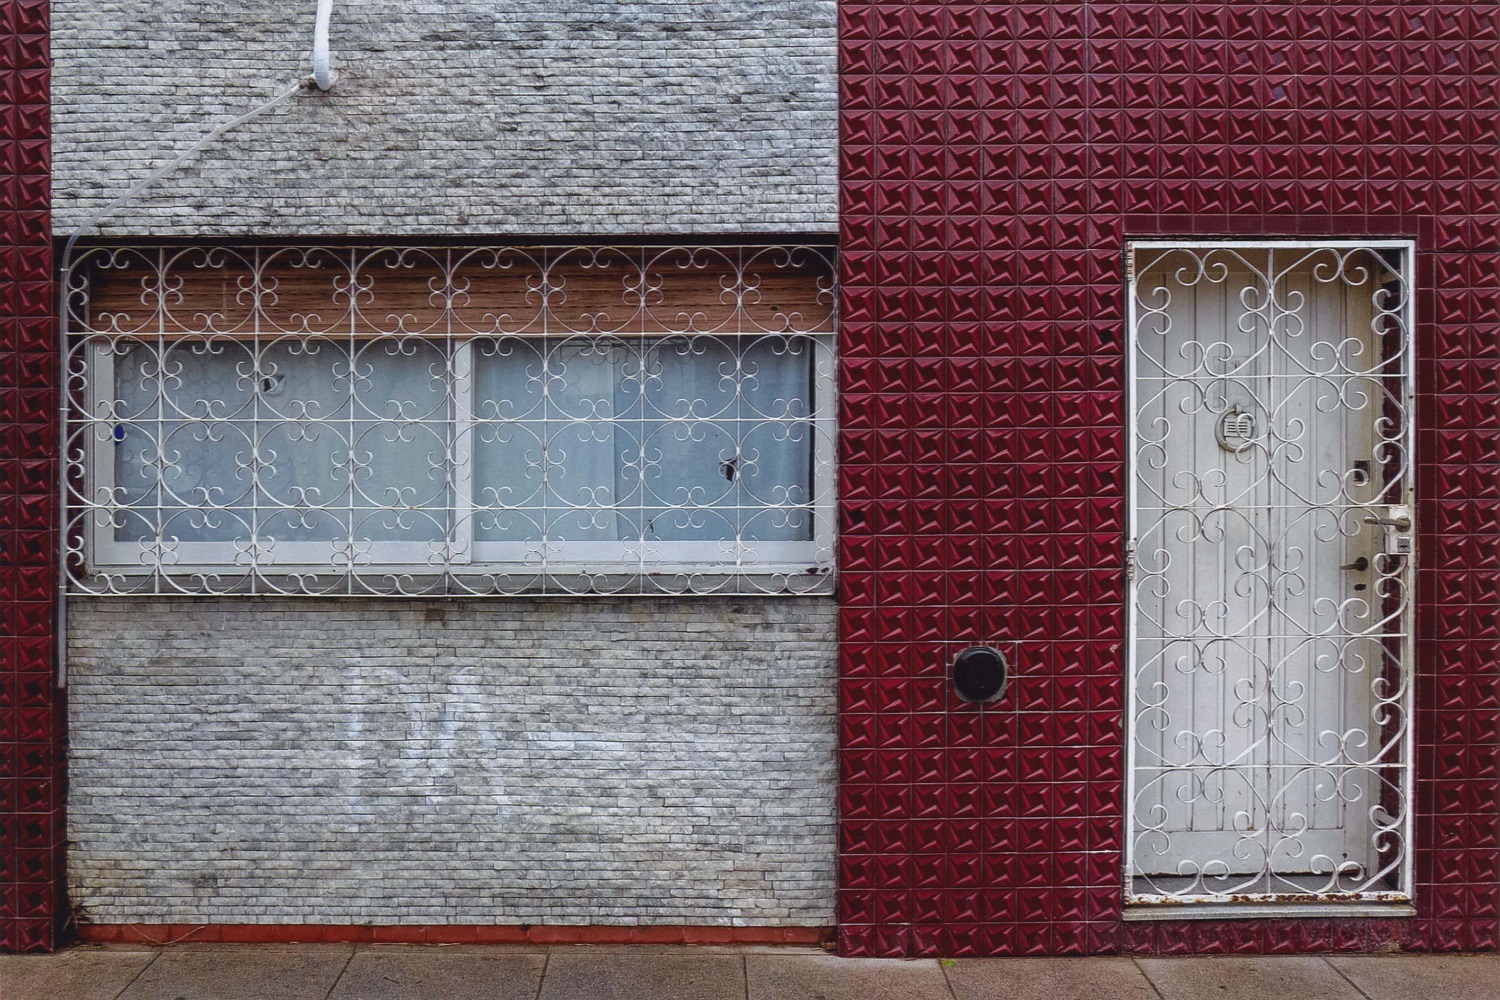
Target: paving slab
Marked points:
1259	978
424	972
1402	977
597	974
83	973
1048	979
242	972
825	977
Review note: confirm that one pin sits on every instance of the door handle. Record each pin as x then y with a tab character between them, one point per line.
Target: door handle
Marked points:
1396	525
1359	565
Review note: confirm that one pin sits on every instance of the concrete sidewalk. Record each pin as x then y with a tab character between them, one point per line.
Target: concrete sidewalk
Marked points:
475	972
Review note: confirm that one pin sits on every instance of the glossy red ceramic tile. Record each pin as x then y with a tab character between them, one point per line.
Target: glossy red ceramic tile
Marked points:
995	158
31	821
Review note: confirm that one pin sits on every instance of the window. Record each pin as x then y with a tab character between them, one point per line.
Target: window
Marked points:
419	420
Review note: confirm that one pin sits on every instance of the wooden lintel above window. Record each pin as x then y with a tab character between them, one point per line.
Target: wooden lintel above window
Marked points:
443	292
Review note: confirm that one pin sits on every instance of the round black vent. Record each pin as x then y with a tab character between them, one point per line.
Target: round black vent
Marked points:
980	674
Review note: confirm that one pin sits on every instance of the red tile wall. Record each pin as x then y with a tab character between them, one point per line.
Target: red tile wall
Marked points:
995	157
31	799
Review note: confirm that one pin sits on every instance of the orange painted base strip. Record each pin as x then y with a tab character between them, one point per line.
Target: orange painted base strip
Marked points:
161	934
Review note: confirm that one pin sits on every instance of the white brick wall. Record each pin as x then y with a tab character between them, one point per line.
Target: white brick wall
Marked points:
545	117
517	761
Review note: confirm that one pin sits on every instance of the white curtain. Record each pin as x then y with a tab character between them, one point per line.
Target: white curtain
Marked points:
669	439
291	443
576	440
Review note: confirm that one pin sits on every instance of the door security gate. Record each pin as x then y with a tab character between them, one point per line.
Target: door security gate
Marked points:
1271	561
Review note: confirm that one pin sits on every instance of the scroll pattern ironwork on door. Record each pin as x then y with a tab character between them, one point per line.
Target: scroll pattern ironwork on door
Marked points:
450	420
1271	571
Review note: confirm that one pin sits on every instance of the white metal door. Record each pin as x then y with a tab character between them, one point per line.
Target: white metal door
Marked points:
1271	559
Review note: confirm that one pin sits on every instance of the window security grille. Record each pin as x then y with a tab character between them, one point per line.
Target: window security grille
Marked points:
409	421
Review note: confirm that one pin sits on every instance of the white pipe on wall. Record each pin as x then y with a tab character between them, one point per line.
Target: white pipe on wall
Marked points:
323	74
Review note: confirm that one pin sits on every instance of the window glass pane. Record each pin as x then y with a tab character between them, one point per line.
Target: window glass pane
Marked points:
300	441
508	439
544	439
724	435
579	459
302	424
682	467
656	439
776	439
182	446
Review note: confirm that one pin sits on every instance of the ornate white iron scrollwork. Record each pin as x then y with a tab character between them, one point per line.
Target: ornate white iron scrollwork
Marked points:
450	420
1270	684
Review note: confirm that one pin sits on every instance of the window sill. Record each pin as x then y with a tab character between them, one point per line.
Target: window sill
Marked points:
471	582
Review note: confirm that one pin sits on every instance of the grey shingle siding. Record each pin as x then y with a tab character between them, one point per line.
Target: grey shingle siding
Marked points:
520	761
546	117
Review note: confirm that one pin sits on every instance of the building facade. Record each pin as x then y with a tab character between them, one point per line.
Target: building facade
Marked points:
458	505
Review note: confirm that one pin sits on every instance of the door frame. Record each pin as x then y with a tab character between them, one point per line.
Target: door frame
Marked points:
1143	906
